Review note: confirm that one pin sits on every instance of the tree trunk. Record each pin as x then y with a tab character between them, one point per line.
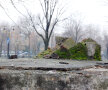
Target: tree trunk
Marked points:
8	48
107	52
29	46
46	43
15	50
0	49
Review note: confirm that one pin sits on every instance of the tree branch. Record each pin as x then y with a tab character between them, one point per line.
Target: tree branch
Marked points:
52	28
35	27
7	14
42	7
42	26
16	8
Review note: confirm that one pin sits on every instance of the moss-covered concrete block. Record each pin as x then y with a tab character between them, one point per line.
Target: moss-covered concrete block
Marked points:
93	49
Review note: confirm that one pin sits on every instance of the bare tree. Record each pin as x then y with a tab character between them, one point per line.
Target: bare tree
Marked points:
4	28
105	45
30	35
92	31
2	39
74	29
26	30
47	21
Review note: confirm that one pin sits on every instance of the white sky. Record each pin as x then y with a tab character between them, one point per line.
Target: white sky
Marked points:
91	11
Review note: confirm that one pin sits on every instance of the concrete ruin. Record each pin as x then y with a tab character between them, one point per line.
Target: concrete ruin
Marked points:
91	48
55	75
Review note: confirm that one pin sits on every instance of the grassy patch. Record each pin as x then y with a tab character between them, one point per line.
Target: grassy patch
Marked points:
46	52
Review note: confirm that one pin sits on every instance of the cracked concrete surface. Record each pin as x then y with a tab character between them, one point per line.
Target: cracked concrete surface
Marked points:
49	74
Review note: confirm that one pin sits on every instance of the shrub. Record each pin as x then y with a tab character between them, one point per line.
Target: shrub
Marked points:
63	53
46	52
78	52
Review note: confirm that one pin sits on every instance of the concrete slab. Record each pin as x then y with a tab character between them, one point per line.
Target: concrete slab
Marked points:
46	64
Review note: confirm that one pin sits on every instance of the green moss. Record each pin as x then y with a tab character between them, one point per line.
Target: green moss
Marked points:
63	53
78	52
97	55
42	54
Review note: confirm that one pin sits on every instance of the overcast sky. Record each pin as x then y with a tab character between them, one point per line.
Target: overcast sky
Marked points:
92	11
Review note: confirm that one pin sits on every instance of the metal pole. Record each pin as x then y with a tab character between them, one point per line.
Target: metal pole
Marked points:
8	51
8	45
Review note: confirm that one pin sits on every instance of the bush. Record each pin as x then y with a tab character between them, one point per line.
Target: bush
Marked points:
46	52
78	52
63	53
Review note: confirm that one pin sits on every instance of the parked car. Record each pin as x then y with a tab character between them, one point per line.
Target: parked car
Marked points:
23	55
